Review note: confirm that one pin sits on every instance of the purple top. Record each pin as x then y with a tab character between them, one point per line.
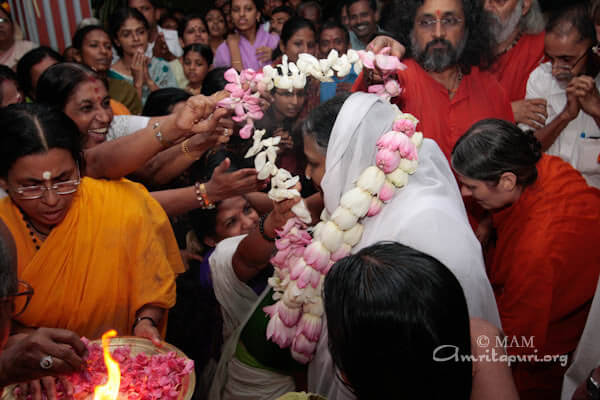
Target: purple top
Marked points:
247	50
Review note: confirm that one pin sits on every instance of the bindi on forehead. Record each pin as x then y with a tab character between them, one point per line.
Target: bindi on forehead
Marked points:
46	175
438	13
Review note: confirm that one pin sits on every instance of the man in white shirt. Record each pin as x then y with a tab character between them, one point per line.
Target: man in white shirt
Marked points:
569	84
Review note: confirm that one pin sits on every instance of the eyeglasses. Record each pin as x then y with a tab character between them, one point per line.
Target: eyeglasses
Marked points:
568	66
430	23
36	192
19	300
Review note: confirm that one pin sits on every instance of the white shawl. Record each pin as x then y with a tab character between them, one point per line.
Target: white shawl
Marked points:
428	214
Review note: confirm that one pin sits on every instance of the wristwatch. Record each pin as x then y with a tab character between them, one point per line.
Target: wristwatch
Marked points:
593	387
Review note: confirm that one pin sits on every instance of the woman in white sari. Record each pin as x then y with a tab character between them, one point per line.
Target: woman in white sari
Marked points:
427	214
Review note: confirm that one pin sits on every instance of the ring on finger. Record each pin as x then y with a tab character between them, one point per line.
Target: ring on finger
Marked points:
46	362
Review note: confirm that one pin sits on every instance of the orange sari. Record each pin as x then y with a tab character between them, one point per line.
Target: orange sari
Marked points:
112	254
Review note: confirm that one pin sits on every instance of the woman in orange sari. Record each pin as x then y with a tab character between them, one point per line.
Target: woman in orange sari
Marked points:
99	254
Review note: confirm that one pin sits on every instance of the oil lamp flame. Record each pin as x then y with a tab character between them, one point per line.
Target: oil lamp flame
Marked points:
110	390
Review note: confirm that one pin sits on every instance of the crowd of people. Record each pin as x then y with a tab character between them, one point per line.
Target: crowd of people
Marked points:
127	202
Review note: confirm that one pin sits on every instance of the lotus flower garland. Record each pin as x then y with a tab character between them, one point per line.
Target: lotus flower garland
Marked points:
302	260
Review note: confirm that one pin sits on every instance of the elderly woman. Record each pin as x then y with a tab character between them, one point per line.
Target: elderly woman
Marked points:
546	260
99	254
428	214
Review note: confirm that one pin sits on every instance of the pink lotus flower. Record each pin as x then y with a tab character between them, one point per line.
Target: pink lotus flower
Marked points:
247	75
388	63
316	255
387	191
331	263
392	87
387	141
279	333
375	208
405	126
342	252
367	58
297	269
406	147
300	357
309	276
231	75
387	160
246	131
310	326
302	344
289	316
379	90
280	258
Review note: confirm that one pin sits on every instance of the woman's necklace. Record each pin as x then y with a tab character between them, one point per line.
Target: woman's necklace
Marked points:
37	237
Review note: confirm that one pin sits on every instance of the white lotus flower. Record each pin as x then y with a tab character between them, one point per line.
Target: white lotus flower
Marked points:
314	306
332	56
279	194
324	215
344	218
283	82
302	212
352	56
353	235
299	81
260	160
408	166
331	236
272	141
272	153
398	177
267	170
417	139
371	180
357	200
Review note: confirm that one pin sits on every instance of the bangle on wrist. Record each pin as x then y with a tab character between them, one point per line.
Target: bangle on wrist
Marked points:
261	228
202	196
185	149
140	319
160	136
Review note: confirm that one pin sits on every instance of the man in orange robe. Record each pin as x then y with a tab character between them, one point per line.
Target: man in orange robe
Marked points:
544	272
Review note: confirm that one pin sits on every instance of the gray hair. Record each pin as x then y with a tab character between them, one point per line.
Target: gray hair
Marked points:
533	22
8	262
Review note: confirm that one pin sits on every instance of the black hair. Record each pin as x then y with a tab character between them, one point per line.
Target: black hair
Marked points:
186	20
307	4
81	33
58	82
321	119
30	60
285	9
202	49
392	302
398	18
7	74
166	17
492	147
154	3
372	4
259	4
214	81
161	101
573	14
8	264
333	24
118	18
34	129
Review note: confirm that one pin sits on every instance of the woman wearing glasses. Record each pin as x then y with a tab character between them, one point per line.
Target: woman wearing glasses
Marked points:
99	254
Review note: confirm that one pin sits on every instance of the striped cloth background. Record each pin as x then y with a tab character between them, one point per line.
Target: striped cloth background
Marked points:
50	22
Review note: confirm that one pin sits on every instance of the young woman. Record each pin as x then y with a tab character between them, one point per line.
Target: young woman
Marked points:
217	27
546	261
197	59
32	65
249	46
93	48
129	33
192	30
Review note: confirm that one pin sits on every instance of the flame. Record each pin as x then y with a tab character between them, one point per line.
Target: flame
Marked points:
110	390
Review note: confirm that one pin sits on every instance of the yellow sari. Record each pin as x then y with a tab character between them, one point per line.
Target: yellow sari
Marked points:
112	254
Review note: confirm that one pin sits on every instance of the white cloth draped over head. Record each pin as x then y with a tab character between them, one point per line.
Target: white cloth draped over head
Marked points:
428	215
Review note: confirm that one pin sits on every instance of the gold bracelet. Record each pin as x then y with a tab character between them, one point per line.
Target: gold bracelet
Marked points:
185	149
202	196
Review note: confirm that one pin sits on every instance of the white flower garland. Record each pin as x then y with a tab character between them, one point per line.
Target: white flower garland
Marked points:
302	260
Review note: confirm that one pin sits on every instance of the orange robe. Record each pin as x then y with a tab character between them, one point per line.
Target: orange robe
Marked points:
512	68
443	119
544	270
112	254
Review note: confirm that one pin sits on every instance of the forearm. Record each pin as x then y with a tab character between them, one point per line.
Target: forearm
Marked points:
548	134
177	201
167	165
260	202
149	311
115	159
254	252
236	56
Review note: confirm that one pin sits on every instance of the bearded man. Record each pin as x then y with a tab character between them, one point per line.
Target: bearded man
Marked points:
518	32
445	85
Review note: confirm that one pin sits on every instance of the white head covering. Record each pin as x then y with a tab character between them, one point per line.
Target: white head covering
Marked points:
427	214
